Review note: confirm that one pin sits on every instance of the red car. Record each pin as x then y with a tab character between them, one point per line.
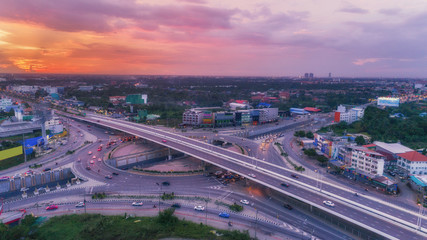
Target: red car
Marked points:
52	207
99	149
164	141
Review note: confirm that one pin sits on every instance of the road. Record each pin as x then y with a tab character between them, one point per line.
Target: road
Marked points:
131	184
270	175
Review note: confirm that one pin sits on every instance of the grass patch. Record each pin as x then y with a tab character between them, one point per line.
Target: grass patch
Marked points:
95	226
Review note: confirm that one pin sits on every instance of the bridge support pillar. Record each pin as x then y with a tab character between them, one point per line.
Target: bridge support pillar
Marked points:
169	154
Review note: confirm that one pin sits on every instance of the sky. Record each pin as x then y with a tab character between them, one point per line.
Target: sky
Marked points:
364	38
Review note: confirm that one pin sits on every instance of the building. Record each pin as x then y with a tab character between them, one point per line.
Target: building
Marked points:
192	117
342	114
236	105
284	95
224	119
267	115
85	88
412	163
245	117
24	88
323	144
5	102
298	111
207	119
312	109
367	162
136	99
388	102
116	100
54	125
390	151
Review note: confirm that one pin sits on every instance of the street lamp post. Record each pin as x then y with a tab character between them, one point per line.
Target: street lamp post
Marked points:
160	190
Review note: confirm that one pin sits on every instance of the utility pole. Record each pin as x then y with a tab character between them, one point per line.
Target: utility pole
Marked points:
160	189
84	200
256	222
23	146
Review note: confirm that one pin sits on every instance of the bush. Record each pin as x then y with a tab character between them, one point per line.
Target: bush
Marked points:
168	196
99	195
236	207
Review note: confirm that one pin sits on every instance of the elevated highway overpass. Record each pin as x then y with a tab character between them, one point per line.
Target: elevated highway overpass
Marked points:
385	220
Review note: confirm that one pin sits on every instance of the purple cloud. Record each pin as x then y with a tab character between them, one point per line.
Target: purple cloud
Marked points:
101	15
390	11
355	10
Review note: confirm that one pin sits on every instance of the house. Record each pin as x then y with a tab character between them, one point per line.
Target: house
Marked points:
412	163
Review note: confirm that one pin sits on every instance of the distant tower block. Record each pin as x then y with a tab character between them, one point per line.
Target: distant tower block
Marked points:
330	75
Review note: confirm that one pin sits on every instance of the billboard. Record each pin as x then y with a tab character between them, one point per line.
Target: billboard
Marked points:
388	102
11	152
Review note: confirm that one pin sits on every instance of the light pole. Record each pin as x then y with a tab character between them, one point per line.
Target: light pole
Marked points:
256	221
160	189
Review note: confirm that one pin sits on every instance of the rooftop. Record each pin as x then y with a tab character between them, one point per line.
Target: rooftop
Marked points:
394	148
413	156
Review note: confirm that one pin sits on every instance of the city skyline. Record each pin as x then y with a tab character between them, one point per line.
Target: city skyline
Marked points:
203	37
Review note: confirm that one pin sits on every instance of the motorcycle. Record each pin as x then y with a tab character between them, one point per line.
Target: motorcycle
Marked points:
230	224
154	206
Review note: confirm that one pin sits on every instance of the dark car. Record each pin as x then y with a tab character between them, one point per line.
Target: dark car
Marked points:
288	206
176	205
295	176
87	168
47	169
108	177
166	183
115	174
284	185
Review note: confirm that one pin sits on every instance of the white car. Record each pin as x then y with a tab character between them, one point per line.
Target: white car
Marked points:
80	204
99	160
251	175
137	204
199	208
244	201
329	203
89	153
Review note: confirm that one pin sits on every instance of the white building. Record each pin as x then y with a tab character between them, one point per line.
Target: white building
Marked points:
192	117
234	106
24	88
85	88
367	161
413	163
390	151
54	125
4	102
268	115
342	114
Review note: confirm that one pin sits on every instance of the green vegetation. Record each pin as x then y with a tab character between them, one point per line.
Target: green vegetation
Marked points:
236	207
95	226
69	152
8	144
284	154
360	140
311	152
168	196
99	195
411	131
304	134
14	161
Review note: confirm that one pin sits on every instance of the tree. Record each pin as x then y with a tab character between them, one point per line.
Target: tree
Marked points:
299	134
360	140
309	134
310	152
322	159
